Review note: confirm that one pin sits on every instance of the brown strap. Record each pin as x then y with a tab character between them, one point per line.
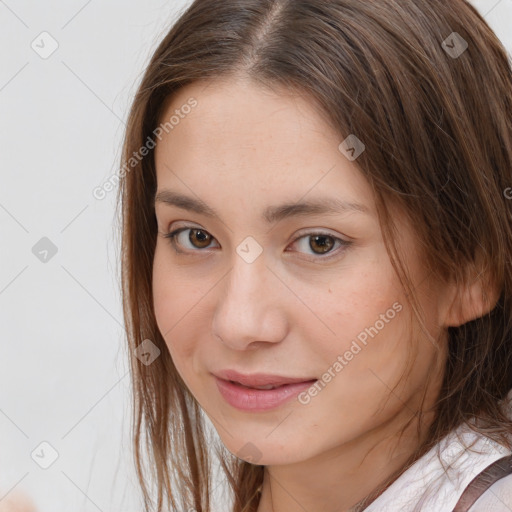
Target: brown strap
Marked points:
491	474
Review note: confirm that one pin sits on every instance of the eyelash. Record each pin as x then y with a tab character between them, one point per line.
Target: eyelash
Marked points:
344	244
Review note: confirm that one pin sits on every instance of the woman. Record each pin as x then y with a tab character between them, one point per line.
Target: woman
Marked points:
317	242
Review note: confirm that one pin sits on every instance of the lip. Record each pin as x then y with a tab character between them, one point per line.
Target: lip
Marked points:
259	400
260	379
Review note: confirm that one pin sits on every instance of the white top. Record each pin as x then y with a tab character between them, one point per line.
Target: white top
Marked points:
427	487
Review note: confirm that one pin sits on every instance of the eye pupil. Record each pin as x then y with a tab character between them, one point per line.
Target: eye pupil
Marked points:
325	247
202	239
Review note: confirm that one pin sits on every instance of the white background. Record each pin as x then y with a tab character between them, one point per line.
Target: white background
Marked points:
63	364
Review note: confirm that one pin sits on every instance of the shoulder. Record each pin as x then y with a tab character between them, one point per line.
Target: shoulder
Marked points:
498	498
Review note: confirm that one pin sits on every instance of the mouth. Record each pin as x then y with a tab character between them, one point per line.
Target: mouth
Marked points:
260	398
269	386
263	381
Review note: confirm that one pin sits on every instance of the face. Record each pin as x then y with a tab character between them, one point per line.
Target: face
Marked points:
311	296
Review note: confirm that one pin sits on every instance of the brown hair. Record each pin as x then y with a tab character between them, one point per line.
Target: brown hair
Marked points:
437	127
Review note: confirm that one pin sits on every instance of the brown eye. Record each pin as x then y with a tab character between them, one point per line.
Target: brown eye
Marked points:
196	239
199	238
323	243
321	247
317	244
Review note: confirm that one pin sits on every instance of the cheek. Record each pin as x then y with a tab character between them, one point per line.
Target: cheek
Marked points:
171	319
172	301
164	296
173	292
369	326
356	301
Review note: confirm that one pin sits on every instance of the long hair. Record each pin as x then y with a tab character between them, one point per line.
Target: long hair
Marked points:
428	86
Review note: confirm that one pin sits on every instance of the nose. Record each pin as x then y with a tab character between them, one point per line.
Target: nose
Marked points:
250	306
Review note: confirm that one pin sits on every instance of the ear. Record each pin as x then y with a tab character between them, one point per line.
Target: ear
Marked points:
471	297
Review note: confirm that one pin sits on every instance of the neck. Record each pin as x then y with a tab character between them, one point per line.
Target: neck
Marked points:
347	478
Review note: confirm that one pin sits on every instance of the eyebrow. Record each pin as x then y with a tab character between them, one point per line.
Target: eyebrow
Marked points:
272	214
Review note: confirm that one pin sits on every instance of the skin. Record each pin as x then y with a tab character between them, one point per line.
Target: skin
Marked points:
240	150
16	502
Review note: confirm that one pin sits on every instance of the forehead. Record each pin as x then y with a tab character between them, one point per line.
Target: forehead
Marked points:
236	117
239	128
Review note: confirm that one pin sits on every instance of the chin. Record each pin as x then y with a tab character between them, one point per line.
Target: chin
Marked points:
266	452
